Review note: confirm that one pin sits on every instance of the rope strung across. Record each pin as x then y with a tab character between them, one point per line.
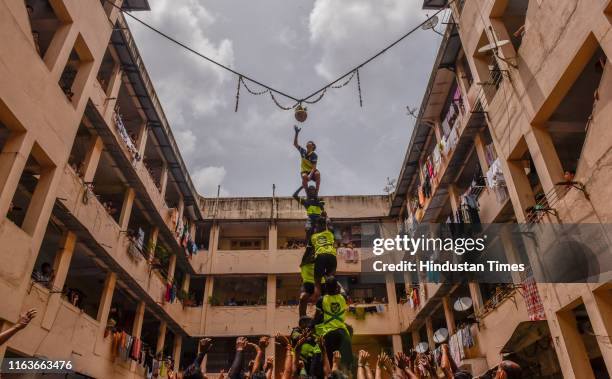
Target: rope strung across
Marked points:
313	97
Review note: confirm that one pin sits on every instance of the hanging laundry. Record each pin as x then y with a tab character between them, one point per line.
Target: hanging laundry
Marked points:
535	307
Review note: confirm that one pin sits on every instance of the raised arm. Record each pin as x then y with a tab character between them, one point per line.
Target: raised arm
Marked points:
361	362
295	137
23	321
269	367
288	368
203	347
326	366
296	194
234	372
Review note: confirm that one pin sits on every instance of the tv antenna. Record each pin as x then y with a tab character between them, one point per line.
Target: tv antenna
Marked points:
431	24
494	48
412	112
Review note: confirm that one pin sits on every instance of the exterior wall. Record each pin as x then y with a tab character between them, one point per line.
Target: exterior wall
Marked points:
44	123
560	38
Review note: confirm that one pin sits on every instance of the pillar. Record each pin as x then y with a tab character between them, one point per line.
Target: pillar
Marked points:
137	327
126	208
60	267
138	319
59	50
599	308
171	267
176	351
416	337
480	147
163	180
112	93
161	337
208	292
12	162
38	213
545	158
92	158
476	296
153	242
103	310
513	256
519	189
449	315
453	195
430	333
270	304
572	354
113	12
273	237
396	340
141	143
186	282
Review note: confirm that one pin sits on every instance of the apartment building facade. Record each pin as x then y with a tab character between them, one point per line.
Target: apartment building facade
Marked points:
516	117
98	205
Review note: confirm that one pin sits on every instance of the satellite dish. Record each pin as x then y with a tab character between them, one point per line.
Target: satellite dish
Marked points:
422	347
430	23
493	46
440	335
462	304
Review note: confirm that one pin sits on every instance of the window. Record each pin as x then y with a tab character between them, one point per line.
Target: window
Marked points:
45	20
239	291
73	78
85	280
38	169
107	68
578	110
513	19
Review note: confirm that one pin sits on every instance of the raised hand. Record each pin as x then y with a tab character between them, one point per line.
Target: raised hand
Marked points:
205	344
241	343
25	318
297	129
363	357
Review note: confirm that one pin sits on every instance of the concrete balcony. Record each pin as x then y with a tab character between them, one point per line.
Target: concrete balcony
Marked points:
14	239
73	336
224	321
286	261
489	208
91	222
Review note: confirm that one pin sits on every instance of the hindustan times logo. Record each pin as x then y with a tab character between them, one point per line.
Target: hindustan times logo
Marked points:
412	245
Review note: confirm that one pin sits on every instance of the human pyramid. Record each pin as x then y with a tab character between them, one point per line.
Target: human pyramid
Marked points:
326	332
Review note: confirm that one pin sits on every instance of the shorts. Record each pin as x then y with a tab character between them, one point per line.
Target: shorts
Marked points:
307	273
307	288
307	173
311	221
308	257
324	265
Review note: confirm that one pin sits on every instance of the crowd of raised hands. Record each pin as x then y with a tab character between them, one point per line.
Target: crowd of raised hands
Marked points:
402	366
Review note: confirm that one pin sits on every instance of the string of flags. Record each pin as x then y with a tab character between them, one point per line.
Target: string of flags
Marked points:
298	104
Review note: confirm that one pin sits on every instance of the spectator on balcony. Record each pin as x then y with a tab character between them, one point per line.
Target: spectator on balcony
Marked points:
309	161
232	302
44	275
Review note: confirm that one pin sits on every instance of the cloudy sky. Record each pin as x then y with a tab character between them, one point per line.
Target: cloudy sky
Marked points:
297	47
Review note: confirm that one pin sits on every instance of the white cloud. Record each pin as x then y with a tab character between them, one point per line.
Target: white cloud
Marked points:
207	179
349	31
186	141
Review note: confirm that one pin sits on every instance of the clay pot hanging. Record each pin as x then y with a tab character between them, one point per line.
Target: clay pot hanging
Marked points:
301	113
